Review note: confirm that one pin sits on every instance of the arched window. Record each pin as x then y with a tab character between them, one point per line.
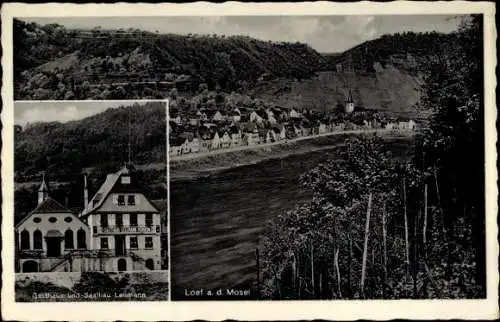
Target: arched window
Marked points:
25	240
37	240
150	264
81	239
68	239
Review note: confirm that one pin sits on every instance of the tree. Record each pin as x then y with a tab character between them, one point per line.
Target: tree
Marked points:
324	231
454	142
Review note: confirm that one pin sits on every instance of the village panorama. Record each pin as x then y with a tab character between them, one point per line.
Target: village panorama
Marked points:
208	130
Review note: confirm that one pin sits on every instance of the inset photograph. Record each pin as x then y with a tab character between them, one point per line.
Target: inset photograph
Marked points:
91	201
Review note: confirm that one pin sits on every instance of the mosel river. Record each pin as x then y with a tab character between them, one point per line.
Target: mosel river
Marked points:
216	222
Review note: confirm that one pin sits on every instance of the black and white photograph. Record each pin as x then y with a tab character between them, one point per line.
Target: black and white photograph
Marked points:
311	157
91	201
252	161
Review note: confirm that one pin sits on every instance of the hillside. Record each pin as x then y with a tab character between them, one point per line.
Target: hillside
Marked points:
52	62
384	74
63	149
409	51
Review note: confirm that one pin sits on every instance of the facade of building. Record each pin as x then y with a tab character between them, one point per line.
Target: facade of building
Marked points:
118	230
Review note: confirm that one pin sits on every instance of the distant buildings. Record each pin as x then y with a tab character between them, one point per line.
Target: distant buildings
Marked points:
204	129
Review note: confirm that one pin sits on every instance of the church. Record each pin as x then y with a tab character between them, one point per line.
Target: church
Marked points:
119	229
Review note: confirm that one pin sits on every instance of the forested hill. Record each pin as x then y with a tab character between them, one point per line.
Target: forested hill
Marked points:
54	62
64	149
409	51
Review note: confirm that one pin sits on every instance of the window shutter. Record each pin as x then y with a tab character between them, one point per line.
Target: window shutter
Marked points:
138	199
115	199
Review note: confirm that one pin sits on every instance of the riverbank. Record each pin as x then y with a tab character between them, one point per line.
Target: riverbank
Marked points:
197	165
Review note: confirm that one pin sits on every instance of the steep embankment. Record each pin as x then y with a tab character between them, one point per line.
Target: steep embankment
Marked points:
390	90
385	74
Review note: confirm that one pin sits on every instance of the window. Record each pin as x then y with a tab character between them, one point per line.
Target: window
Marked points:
133	219
149	220
52	219
104	220
25	240
104	243
125	180
149	242
121	200
133	243
81	239
68	219
119	220
131	200
68	239
37	220
37	240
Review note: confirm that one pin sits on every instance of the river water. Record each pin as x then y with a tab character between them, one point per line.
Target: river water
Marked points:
216	221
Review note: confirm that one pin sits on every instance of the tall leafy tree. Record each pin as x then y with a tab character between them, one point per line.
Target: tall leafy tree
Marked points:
454	141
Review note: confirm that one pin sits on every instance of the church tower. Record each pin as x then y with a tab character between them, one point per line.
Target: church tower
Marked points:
349	103
43	191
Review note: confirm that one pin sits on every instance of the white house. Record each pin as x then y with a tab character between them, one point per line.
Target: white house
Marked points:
215	141
322	128
294	114
254	117
225	140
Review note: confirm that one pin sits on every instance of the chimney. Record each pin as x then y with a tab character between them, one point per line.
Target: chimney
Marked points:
85	192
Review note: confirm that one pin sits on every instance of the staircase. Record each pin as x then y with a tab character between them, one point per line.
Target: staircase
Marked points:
62	261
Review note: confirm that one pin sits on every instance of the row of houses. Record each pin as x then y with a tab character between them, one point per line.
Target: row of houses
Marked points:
208	136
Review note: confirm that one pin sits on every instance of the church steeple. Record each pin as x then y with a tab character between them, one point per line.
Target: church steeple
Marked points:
349	98
349	103
43	191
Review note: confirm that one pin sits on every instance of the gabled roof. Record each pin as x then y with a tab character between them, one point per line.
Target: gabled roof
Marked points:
50	206
104	190
101	197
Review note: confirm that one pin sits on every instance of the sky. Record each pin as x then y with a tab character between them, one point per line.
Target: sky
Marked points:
326	34
31	112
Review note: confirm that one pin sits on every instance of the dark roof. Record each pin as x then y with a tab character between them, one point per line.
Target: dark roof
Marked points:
50	206
176	141
249	127
233	129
